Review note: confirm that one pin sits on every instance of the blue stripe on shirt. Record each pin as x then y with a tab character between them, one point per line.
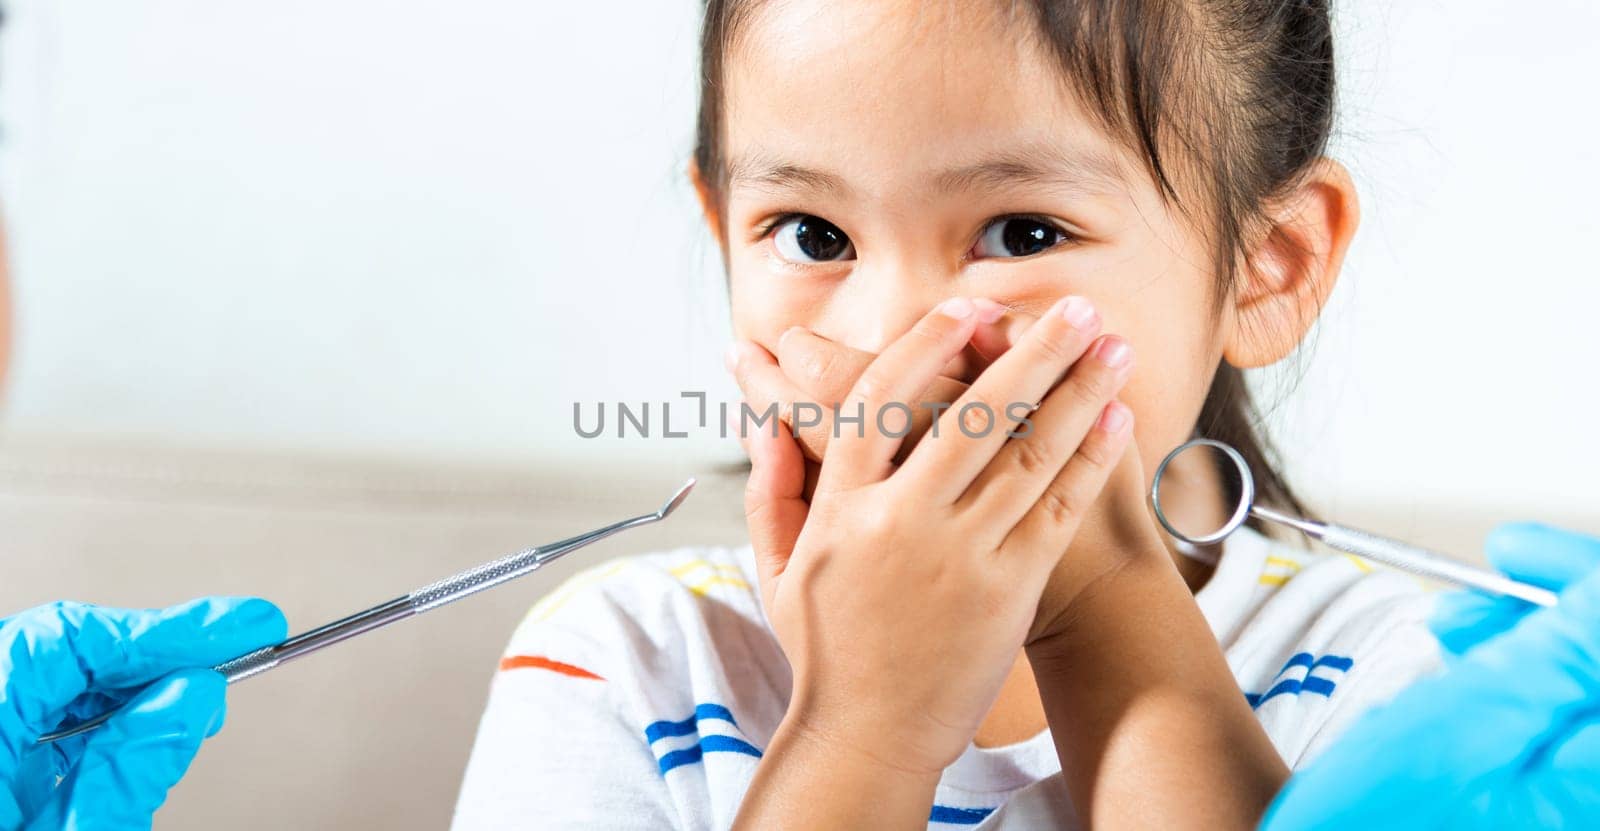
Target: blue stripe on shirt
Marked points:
709	744
1313	684
702	712
691	726
947	814
958	816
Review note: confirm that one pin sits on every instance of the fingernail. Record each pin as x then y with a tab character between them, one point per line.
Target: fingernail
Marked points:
789	331
1115	417
1113	352
1078	311
989	311
959	308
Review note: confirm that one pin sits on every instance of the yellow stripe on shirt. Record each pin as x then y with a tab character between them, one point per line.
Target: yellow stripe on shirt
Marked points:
1290	568
703	586
545	608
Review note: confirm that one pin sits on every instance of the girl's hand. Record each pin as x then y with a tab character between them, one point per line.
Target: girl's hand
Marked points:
901	596
811	368
1118	539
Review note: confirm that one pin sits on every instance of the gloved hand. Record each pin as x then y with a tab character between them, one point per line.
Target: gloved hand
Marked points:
1533	553
1507	737
66	662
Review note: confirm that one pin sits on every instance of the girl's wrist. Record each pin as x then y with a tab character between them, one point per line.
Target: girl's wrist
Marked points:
1126	574
855	750
810	778
1136	682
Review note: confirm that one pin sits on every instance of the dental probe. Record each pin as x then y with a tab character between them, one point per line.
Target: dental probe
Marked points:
427	598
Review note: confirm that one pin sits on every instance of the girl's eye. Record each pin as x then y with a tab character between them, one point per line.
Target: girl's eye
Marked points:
811	239
1017	236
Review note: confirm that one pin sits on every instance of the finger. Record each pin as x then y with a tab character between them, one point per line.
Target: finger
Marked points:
771	396
1018	476
130	763
1548	660
774	503
1573	760
991	340
1048	527
825	370
56	653
1534	553
878	404
979	423
1541	554
1463	619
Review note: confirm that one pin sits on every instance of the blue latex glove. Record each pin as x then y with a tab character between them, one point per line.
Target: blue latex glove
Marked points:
69	661
1507	737
1533	553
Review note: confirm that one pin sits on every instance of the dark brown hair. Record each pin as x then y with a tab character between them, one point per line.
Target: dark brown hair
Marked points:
1231	98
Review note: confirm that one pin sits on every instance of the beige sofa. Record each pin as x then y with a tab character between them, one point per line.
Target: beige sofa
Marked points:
373	734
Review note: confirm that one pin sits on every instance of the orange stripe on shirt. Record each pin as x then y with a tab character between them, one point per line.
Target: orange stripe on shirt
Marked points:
541	662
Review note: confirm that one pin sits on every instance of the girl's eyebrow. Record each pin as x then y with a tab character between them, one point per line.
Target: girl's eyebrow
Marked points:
1079	170
764	172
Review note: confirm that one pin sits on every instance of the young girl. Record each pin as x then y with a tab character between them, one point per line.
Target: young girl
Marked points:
987	202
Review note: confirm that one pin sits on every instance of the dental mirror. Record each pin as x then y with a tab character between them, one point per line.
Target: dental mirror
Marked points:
1202	528
1241	488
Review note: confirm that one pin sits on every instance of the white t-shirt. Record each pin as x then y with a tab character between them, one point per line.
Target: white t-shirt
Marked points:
641	693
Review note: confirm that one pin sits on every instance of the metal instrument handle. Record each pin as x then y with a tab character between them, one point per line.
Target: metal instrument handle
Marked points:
431	596
1429	564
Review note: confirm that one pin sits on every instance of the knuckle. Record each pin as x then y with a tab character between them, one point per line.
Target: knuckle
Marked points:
821	368
1035	455
1054	350
1060	505
1097	451
1090	389
814	441
871	387
935	328
879	525
976	418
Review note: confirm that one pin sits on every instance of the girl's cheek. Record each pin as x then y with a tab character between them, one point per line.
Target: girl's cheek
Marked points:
765	305
1159	305
1173	368
1030	287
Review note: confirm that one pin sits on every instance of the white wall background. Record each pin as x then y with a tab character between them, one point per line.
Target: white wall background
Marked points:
419	228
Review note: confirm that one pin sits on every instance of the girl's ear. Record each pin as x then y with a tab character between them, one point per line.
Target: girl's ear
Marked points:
708	204
1290	271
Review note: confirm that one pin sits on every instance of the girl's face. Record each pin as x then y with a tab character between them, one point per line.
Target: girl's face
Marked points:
884	156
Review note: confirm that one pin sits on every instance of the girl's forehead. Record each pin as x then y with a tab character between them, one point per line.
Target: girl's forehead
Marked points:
944	92
924	58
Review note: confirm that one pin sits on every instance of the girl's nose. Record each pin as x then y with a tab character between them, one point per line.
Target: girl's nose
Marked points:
871	314
873	309
872	326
